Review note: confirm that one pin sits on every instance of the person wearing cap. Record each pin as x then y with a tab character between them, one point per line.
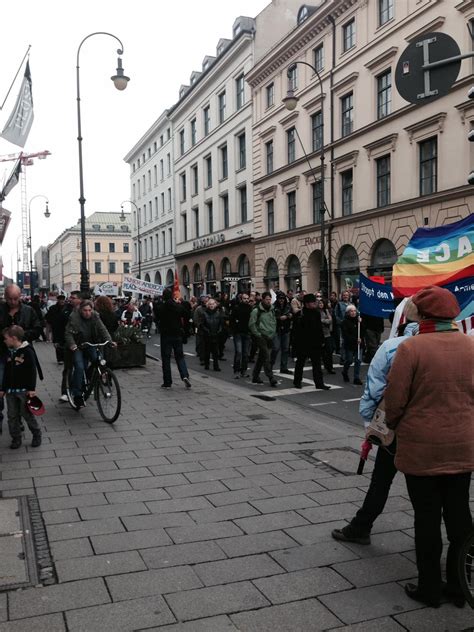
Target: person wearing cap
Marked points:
308	341
359	528
19	384
429	403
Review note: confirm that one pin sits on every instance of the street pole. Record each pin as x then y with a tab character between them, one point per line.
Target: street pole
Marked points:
47	214
120	82
122	219
290	102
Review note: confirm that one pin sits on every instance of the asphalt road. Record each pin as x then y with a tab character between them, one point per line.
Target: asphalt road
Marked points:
342	401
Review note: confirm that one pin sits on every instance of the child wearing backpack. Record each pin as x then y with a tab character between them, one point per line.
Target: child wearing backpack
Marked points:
19	383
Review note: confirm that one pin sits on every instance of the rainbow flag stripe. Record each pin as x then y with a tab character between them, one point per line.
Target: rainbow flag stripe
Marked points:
436	256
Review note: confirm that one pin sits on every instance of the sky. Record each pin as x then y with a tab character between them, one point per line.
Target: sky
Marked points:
163	43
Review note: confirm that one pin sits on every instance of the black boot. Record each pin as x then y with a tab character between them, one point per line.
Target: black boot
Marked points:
16	443
36	439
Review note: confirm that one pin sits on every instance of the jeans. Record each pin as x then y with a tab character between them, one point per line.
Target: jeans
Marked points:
328	349
241	352
281	343
349	358
382	476
17	409
264	346
433	497
211	347
315	356
81	359
171	344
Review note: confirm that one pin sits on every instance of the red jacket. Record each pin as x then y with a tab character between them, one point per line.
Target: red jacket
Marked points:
429	400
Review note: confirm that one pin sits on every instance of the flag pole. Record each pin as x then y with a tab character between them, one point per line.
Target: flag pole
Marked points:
14	79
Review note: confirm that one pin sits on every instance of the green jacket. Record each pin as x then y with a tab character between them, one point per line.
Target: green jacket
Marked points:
79	330
263	322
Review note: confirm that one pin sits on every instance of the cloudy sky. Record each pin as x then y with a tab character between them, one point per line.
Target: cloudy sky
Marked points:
163	43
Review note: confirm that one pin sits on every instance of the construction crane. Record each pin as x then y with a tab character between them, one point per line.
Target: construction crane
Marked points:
26	161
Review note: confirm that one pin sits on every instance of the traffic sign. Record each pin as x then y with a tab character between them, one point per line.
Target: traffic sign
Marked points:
420	85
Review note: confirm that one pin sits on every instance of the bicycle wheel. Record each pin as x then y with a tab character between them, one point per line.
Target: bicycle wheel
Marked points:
108	396
466	569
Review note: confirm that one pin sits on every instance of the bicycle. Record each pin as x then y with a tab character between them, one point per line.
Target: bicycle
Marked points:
100	380
466	568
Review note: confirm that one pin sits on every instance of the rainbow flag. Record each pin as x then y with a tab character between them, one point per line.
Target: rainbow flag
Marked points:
441	256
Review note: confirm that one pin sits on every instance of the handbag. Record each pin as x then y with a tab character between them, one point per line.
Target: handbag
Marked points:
377	432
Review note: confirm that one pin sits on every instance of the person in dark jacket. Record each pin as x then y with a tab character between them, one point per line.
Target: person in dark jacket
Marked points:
170	317
19	383
212	329
105	308
36	305
53	318
308	342
350	337
239	325
281	340
14	312
371	330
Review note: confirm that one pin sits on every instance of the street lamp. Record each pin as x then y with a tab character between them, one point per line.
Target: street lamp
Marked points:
290	102
122	219
47	214
120	81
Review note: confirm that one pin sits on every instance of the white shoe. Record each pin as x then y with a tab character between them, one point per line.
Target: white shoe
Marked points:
63	398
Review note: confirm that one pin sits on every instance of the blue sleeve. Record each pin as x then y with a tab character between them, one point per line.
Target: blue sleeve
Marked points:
376	382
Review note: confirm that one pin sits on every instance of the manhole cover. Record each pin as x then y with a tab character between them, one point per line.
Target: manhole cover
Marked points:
25	559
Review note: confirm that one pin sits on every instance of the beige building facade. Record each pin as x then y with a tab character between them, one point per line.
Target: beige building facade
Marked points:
390	166
108	247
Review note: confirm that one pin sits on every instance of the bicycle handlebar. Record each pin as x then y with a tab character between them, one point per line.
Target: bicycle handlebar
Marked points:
97	344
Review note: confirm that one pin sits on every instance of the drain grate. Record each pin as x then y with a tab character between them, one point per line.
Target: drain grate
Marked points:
25	558
255	417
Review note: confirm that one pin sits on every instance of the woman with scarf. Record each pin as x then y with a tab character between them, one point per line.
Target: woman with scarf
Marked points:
429	402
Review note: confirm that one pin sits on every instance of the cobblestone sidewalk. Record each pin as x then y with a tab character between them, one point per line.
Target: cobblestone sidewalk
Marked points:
206	510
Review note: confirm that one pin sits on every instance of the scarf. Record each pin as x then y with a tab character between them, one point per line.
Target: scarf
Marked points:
431	325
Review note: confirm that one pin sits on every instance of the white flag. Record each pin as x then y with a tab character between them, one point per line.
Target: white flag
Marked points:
19	124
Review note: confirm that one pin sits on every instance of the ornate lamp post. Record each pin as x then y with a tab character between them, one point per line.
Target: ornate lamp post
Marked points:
46	214
290	102
122	219
120	82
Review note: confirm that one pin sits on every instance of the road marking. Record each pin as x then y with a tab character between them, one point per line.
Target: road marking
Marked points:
154	344
275	392
323	403
193	355
306	381
355	399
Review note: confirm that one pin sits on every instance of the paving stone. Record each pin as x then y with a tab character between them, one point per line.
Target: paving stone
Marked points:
447	618
213	624
328	513
393	521
67	502
152	582
130	541
383	544
192	553
109	511
126	464
48	623
205	602
88	467
67	549
232	461
99	565
313	556
120	617
271	522
272	505
74	530
196	489
218	474
178	504
363	604
384	624
342	482
226	512
239	496
98	487
256	543
338	496
266	468
63	479
301	585
299	616
313	533
32	602
134	523
61	515
288	489
11	474
210	531
378	570
115	475
3	607
237	569
99	458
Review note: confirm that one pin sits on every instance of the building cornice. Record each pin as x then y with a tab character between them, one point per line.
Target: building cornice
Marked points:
433	25
382	58
389	142
436	121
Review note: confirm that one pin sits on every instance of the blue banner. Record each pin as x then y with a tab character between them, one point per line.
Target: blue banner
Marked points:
375	299
463	290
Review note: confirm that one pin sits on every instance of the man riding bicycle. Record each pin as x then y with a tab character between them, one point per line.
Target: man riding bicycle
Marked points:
84	325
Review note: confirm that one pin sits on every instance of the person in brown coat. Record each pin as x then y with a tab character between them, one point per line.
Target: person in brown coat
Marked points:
429	401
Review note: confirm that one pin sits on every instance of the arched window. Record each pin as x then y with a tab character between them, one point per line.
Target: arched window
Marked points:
272	275
185	275
210	271
293	276
169	278
147	277
384	256
347	271
226	267
244	266
157	278
197	276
